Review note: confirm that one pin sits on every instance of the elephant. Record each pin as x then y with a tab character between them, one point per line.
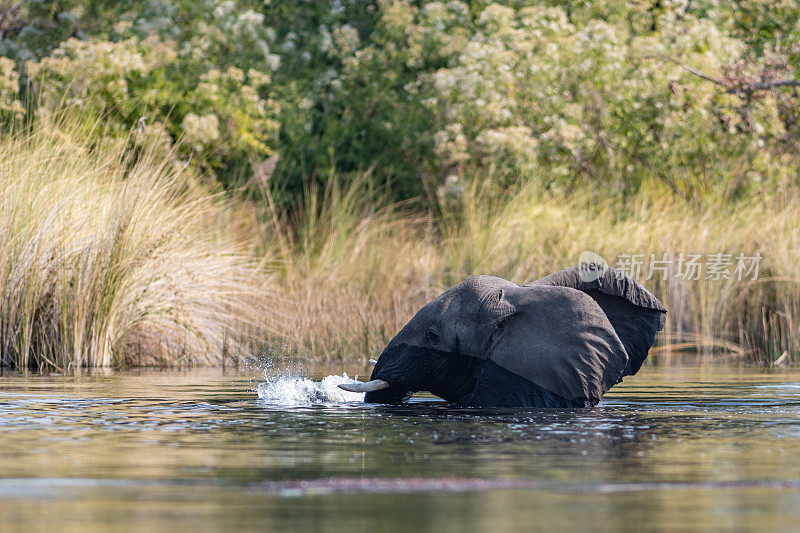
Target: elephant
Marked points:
561	341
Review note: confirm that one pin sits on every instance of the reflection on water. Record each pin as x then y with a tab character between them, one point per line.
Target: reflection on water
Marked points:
702	446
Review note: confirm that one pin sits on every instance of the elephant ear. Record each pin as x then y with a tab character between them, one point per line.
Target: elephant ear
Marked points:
634	312
559	339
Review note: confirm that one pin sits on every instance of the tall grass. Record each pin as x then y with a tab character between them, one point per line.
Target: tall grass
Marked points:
355	274
111	256
351	269
106	259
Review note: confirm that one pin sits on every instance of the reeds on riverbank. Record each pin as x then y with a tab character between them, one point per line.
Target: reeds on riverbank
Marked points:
111	256
110	260
356	275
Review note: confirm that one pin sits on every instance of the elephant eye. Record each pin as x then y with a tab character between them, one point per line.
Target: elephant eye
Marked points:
432	335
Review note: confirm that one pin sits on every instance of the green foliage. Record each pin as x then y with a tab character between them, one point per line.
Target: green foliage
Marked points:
607	94
166	71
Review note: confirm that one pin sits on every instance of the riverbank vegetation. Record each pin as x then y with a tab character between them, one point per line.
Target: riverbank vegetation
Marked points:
109	259
184	180
355	282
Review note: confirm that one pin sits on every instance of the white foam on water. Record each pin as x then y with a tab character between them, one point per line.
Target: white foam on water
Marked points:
300	391
785	386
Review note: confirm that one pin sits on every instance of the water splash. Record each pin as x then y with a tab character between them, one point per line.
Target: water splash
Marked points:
300	391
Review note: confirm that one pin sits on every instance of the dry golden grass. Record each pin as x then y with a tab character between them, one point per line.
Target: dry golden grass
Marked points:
353	276
109	261
349	273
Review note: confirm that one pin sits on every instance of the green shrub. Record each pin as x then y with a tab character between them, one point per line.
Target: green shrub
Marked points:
606	94
201	72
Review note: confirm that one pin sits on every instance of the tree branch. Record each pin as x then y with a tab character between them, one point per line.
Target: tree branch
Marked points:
743	88
770	84
689	69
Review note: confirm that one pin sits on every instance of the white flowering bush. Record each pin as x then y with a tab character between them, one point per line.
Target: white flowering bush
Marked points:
10	106
98	75
200	132
204	83
607	93
611	93
237	119
532	92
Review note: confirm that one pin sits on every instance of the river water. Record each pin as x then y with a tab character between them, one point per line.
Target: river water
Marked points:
684	446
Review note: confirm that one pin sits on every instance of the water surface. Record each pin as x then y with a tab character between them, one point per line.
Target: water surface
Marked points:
687	445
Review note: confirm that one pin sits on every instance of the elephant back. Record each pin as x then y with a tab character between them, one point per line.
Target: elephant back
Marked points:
559	339
634	312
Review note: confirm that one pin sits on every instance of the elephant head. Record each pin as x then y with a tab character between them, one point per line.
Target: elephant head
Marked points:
561	341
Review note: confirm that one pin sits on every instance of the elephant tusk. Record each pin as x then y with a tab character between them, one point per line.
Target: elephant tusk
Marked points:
373	362
369	386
